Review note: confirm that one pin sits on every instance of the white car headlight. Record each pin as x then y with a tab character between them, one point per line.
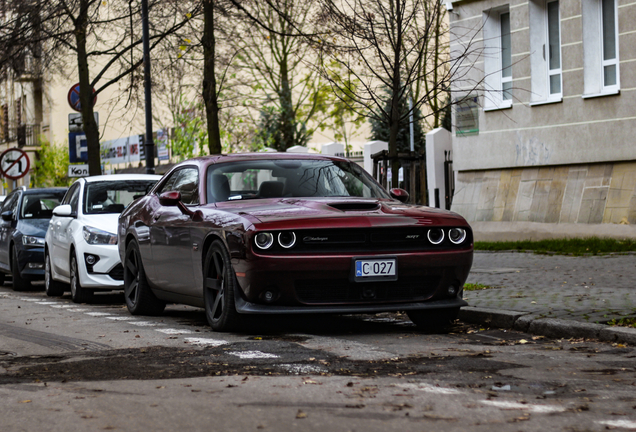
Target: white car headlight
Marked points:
32	241
96	236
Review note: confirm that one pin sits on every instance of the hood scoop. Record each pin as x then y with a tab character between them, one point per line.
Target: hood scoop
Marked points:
355	206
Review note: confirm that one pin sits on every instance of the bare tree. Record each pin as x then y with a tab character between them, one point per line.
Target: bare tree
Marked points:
104	37
386	44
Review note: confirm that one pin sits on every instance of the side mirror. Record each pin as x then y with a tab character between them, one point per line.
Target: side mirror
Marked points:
170	199
63	211
7	216
399	194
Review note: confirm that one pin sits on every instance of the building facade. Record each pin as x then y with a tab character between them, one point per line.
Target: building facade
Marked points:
545	126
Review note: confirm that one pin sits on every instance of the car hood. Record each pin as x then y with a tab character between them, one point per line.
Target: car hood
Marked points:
338	211
106	222
33	227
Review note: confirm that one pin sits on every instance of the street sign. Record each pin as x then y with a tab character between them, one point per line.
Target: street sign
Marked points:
74	98
78	170
14	163
76	123
77	147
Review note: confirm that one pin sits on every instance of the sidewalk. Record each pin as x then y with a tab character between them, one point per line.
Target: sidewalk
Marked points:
560	296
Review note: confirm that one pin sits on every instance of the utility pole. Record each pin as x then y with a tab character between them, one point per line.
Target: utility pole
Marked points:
148	142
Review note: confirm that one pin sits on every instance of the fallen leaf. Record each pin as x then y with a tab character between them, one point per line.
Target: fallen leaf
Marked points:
25	401
301	415
523	341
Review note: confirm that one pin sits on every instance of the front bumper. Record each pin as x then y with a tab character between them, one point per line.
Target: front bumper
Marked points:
324	283
33	256
106	273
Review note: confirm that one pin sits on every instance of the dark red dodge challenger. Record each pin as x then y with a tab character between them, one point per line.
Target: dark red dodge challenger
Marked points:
280	233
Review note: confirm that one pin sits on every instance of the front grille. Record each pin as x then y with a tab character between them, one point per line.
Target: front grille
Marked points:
117	272
323	291
364	240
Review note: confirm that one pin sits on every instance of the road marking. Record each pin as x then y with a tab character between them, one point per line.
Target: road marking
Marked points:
625	424
120	318
46	303
171	331
350	349
30	299
144	323
302	369
78	310
429	388
540	409
98	314
58	306
205	342
252	354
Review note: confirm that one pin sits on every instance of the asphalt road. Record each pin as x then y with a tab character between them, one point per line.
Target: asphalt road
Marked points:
95	367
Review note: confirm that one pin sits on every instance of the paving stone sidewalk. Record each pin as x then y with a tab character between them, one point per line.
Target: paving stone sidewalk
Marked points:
592	289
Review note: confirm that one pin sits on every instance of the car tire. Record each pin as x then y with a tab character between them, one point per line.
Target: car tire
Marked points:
433	319
140	300
19	283
219	285
52	287
78	294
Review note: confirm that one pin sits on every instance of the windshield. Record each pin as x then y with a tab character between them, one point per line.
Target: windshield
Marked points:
40	206
289	178
113	196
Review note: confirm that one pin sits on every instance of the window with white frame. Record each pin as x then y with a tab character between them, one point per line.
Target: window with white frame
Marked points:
545	46
600	46
497	59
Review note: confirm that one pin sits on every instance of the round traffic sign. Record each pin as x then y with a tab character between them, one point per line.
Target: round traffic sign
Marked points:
14	163
74	98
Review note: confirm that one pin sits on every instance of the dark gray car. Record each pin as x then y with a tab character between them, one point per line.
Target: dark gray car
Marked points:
25	218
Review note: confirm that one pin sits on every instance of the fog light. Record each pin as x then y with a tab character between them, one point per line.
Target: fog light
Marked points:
90	259
452	290
35	265
269	296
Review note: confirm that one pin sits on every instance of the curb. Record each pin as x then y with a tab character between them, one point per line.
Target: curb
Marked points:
550	327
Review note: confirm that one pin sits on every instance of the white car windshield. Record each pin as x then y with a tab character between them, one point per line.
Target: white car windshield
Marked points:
113	196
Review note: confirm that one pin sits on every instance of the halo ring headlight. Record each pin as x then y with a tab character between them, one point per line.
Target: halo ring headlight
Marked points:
457	235
287	239
435	235
264	240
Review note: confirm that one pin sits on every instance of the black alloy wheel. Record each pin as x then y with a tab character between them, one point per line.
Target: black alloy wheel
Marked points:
78	294
219	288
433	319
52	287
19	283
140	300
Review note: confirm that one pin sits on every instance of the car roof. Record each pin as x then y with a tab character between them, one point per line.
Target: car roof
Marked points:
45	190
122	177
235	157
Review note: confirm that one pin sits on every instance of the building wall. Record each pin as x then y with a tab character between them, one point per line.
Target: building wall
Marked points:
586	193
572	161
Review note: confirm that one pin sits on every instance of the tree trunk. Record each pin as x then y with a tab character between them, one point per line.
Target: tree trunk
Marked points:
394	122
287	111
210	96
86	93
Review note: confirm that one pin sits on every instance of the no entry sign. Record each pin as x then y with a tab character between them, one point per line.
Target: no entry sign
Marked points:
14	163
74	98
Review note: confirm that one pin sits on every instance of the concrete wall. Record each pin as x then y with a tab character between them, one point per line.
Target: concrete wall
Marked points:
576	194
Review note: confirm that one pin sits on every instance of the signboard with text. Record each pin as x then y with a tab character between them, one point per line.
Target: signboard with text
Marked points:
77	147
122	150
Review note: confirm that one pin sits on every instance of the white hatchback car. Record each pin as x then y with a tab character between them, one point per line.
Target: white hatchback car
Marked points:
80	251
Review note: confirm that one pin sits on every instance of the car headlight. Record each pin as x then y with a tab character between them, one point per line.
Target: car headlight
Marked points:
32	241
95	236
264	240
457	235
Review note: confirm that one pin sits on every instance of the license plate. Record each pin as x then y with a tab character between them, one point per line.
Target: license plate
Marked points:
375	269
